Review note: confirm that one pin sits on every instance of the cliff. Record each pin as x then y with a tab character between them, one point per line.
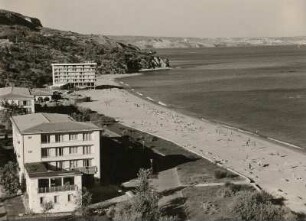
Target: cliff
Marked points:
27	50
170	42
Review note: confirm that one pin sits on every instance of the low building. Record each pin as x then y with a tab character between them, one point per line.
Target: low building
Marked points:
45	184
19	96
50	150
75	75
41	94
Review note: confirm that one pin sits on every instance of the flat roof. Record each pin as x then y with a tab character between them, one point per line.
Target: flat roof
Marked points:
72	64
50	123
40	169
11	93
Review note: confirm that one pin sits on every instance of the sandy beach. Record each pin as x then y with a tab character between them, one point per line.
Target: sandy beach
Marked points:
274	167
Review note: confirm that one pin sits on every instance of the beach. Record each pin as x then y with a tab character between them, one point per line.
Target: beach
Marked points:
275	167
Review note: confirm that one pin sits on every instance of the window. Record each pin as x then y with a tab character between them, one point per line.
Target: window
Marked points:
86	149
55	199
59	151
87	163
73	163
45	153
70	197
45	138
59	138
56	182
73	136
86	136
68	180
43	183
59	165
41	200
73	150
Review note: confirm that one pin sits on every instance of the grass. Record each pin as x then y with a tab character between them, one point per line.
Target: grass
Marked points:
103	192
193	171
240	203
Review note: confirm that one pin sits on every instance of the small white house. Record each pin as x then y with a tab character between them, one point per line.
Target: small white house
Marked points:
19	96
54	151
41	94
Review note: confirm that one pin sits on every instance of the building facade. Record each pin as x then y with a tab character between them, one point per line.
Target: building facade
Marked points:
19	96
51	150
75	75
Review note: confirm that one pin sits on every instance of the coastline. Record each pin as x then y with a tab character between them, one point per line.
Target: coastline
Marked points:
245	153
212	121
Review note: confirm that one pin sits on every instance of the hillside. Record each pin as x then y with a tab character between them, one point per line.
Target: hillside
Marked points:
169	42
27	50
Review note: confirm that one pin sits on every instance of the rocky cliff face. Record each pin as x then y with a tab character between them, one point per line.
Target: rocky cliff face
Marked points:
27	50
12	18
169	42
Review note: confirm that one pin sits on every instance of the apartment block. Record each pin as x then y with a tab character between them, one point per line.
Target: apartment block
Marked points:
54	152
76	75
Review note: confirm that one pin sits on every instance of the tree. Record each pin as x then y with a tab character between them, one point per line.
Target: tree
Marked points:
83	200
47	207
9	178
11	109
144	206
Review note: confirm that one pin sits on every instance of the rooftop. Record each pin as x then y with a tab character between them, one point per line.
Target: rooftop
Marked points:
8	93
41	92
50	123
73	64
46	170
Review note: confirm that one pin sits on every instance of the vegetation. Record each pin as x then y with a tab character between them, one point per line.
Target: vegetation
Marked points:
26	58
9	178
257	206
83	200
143	206
10	109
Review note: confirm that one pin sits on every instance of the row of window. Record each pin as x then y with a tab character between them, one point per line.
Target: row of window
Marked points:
56	199
46	138
55	182
61	151
71	164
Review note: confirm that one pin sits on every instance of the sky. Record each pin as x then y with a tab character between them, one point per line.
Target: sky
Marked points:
172	18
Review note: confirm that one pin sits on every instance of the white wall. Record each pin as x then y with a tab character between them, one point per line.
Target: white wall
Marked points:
61	206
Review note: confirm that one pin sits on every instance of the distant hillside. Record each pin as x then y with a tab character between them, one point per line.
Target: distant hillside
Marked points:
168	42
27	50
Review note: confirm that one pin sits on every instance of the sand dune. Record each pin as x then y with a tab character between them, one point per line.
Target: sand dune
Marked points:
276	168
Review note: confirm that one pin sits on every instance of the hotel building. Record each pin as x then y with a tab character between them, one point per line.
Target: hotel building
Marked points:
54	152
76	75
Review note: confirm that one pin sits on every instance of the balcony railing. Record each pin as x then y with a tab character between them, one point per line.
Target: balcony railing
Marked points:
87	170
57	189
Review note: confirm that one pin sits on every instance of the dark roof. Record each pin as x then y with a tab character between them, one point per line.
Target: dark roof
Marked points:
35	170
50	123
15	93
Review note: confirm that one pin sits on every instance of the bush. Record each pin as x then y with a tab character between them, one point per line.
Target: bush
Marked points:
9	178
254	206
220	174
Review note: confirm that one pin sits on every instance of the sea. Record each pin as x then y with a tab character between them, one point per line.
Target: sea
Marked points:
258	89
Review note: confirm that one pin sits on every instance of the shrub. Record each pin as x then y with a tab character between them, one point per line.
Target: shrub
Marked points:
9	178
220	174
254	206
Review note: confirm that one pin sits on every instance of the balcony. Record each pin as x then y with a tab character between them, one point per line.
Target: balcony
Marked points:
87	170
57	189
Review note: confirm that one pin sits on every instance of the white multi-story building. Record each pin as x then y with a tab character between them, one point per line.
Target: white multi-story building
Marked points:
19	96
53	152
77	75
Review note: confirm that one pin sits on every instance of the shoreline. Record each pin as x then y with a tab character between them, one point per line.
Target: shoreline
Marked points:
273	166
212	121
